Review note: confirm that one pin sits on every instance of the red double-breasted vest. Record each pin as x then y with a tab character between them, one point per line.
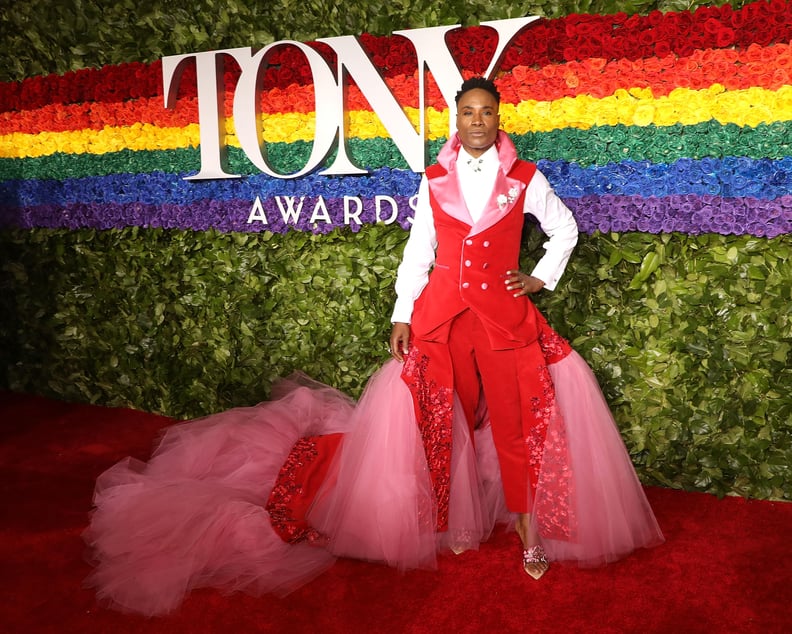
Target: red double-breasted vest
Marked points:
470	271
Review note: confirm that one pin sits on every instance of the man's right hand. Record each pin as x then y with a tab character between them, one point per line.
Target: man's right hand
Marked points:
400	340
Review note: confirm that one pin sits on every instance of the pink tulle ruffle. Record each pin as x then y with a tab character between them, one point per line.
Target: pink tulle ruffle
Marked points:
194	515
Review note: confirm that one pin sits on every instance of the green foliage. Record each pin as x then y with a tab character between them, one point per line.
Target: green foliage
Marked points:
188	323
690	336
40	38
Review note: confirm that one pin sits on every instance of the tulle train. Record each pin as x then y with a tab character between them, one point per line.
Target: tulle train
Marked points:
194	515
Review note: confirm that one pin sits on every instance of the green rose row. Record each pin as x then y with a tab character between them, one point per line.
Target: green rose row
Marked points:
596	146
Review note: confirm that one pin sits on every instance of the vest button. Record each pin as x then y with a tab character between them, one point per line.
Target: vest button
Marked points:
465	284
468	262
468	242
484	286
486	243
485	265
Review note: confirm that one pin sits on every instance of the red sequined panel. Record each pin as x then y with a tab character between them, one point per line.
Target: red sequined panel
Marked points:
548	459
543	408
434	411
555	513
554	346
298	482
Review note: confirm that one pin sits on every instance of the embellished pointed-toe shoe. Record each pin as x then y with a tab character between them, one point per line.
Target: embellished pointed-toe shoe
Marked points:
535	561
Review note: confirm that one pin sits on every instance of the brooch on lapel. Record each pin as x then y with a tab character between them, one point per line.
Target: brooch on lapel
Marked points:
504	199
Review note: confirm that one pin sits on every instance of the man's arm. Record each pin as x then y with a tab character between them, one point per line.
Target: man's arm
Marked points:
413	272
558	223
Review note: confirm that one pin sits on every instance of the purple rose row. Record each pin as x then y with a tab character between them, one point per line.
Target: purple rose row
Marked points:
688	213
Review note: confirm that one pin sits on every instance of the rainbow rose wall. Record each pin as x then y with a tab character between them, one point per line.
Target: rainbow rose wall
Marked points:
668	135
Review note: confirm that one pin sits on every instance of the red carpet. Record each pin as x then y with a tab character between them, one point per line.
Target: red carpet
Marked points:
726	566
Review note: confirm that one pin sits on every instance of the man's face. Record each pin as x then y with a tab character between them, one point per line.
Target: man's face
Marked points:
477	121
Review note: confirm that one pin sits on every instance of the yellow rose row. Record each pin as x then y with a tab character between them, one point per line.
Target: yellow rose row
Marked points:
634	107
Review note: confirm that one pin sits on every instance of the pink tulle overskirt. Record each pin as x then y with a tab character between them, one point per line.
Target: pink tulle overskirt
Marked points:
195	514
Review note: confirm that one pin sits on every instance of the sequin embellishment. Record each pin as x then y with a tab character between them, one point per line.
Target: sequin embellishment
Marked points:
554	346
434	411
548	459
287	492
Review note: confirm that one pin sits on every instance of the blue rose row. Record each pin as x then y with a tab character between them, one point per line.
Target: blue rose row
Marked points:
728	177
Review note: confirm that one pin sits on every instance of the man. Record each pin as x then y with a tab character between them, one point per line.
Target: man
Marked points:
469	326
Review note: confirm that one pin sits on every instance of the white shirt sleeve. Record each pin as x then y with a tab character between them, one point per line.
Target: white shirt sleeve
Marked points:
557	221
418	258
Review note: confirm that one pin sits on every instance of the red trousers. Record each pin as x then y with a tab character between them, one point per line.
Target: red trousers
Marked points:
520	399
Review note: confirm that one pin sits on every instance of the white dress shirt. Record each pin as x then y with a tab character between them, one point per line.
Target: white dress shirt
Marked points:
476	180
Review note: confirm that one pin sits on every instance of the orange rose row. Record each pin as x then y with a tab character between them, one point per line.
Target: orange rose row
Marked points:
764	67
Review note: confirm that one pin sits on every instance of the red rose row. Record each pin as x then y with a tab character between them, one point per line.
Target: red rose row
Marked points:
573	38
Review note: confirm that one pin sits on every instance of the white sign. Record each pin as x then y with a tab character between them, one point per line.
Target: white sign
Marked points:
330	132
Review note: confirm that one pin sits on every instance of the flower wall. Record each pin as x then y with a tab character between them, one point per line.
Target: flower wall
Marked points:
662	123
667	134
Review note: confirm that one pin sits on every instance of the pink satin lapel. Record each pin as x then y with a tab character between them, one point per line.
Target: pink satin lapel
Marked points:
446	189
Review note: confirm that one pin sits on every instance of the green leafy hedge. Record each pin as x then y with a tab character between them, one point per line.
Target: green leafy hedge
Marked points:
189	323
689	336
